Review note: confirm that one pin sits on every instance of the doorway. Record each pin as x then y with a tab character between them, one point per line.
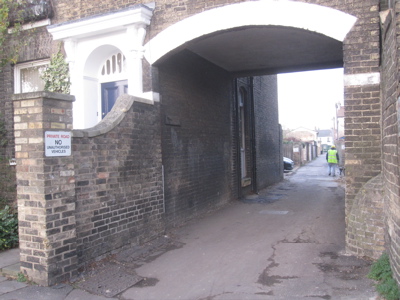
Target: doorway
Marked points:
245	141
110	91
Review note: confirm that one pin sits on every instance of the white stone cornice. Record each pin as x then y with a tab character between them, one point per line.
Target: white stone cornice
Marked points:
98	25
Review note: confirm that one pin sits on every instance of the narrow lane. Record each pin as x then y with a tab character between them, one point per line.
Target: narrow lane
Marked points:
286	243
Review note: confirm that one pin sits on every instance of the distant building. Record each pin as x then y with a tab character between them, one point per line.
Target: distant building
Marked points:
339	130
302	134
325	138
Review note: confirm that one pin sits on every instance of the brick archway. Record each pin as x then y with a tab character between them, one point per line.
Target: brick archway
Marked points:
318	19
354	25
359	46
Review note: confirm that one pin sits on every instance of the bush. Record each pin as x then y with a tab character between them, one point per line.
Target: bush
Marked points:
8	228
382	272
56	76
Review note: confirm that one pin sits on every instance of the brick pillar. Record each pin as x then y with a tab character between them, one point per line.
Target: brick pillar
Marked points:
45	189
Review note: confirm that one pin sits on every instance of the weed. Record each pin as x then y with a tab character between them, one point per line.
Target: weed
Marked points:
381	272
21	278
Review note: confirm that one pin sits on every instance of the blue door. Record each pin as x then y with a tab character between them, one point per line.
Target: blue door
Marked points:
110	91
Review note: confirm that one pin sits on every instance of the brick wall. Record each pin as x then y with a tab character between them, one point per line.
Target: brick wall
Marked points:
268	132
167	12
361	56
365	222
362	102
6	90
7	172
363	132
39	47
395	186
46	189
199	135
107	194
196	136
390	132
118	177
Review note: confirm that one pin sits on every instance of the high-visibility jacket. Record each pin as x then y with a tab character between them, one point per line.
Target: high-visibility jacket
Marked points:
332	156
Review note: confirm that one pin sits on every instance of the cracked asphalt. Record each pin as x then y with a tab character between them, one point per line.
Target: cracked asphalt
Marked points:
288	242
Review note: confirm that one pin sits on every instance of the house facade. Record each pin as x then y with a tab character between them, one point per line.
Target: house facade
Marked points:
325	139
302	134
199	127
339	126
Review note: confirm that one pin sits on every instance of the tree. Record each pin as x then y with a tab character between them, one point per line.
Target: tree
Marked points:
8	8
13	15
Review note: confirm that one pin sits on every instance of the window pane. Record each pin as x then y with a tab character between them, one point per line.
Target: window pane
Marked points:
30	79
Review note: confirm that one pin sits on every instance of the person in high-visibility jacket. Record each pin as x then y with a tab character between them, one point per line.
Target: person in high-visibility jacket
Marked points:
332	157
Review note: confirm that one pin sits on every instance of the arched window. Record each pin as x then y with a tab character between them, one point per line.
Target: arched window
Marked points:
113	81
113	68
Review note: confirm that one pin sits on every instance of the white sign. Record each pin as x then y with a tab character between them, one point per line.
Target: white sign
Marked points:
296	149
57	143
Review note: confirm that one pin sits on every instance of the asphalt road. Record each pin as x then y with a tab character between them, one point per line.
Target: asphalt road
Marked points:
288	242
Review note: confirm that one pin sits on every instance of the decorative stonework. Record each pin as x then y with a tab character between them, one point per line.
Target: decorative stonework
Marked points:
89	41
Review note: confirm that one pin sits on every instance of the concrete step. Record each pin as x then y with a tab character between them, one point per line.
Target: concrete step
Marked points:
10	271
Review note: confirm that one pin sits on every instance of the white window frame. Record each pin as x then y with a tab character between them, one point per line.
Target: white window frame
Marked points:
22	66
113	76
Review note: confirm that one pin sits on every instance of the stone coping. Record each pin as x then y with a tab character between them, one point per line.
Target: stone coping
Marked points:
122	105
42	94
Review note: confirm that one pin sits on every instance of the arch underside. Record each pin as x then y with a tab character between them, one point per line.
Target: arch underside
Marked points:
259	37
266	50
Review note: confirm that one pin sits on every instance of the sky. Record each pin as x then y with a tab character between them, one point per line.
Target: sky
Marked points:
307	99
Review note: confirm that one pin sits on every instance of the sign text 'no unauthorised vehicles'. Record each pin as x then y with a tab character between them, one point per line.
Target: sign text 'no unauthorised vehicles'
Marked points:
57	143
